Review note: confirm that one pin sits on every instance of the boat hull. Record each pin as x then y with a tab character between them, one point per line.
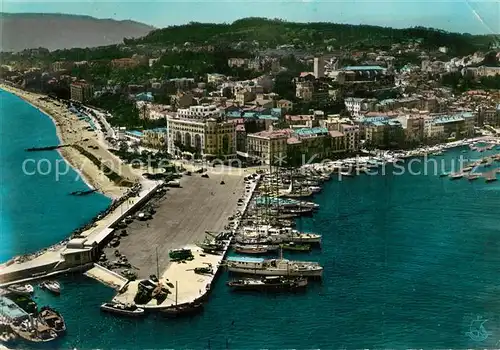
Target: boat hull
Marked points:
139	313
270	272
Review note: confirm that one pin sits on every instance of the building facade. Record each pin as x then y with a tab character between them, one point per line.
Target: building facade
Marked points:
81	91
208	138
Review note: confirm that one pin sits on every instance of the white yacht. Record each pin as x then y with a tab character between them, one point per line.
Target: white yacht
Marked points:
273	267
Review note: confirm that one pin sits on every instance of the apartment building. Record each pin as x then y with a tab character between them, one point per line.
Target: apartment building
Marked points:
81	91
268	147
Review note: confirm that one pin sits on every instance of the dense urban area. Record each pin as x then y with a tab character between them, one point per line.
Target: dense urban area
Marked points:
258	88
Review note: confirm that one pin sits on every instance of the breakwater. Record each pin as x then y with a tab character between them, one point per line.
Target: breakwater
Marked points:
46	148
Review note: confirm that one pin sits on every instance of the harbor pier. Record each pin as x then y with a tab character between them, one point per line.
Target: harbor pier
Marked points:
184	221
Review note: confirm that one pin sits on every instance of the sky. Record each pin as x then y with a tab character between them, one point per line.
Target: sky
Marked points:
475	17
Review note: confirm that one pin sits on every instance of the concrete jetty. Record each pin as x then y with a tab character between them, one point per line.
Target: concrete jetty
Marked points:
76	252
109	278
198	217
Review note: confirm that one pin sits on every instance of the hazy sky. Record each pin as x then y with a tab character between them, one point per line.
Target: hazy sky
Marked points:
477	17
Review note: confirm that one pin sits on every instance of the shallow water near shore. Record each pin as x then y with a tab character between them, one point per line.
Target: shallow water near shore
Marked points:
36	210
410	262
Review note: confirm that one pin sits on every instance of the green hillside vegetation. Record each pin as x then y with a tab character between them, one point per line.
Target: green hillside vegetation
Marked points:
278	32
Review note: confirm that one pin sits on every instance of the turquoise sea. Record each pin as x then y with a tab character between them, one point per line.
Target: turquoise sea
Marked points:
411	261
35	205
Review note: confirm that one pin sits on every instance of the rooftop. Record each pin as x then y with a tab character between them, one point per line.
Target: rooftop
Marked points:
363	68
310	132
245	259
10	309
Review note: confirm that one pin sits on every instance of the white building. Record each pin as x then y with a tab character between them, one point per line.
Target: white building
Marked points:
354	105
319	67
199	112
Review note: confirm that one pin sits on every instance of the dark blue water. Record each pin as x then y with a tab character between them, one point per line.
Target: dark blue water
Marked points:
36	210
410	261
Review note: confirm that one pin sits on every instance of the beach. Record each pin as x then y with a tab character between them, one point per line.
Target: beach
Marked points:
73	131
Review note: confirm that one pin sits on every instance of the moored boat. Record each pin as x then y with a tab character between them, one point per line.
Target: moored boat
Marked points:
187	309
254	249
33	331
24	289
296	247
123	309
270	283
273	267
473	177
53	319
456	176
52	286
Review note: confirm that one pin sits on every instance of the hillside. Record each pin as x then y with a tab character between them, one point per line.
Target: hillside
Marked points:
278	32
58	31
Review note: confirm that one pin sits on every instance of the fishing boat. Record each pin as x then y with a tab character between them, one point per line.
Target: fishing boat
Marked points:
53	319
296	247
491	179
444	175
123	309
33	331
269	283
273	267
186	309
52	286
24	289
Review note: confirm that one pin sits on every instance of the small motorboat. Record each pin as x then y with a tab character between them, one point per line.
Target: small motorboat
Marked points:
456	176
269	283
183	309
473	177
123	309
24	289
52	286
53	319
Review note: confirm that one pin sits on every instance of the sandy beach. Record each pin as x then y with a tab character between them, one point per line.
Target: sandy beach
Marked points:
73	131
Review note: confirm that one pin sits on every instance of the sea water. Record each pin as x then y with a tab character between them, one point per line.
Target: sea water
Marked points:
410	261
36	209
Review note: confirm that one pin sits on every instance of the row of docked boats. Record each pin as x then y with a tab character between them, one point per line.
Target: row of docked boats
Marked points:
269	235
27	289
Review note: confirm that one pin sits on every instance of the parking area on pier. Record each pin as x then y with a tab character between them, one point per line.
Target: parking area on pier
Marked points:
182	217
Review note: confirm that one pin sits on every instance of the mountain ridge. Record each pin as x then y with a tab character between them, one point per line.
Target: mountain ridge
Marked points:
64	31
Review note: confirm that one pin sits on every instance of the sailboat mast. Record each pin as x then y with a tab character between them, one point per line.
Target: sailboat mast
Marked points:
157	265
176	292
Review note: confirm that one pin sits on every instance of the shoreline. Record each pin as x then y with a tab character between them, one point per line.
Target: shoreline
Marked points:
70	130
81	176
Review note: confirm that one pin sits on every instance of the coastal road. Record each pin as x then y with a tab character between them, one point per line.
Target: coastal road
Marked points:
183	215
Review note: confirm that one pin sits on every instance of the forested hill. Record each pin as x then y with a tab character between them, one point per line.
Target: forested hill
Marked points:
270	33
